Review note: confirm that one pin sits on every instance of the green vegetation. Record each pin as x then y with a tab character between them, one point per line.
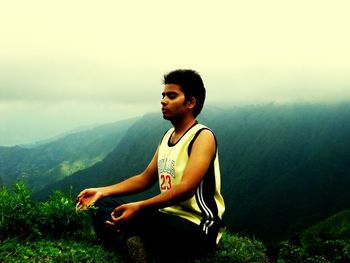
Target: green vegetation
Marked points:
330	238
53	230
327	241
44	163
233	248
50	231
63	250
67	168
284	168
22	217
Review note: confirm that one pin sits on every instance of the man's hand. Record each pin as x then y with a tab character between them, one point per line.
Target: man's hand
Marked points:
123	214
88	197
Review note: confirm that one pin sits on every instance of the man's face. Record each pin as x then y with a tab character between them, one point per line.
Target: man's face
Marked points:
173	102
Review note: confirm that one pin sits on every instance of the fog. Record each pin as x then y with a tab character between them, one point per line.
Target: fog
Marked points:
74	64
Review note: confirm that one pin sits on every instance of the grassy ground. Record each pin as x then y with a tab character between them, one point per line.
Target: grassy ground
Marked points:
54	231
232	249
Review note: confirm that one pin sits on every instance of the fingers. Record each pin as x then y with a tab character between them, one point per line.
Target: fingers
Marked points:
118	228
117	214
117	218
82	193
84	199
116	222
80	196
79	199
121	217
111	223
80	206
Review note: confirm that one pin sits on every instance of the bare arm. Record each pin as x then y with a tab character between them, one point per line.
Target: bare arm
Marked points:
202	153
134	184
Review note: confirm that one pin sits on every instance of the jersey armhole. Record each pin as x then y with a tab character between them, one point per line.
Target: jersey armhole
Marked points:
189	149
160	142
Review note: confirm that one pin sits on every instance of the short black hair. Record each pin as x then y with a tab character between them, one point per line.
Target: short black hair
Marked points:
191	84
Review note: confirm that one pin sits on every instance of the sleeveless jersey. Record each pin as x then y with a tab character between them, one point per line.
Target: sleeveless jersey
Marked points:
207	206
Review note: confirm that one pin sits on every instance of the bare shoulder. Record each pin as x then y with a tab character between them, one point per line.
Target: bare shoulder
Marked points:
206	134
205	139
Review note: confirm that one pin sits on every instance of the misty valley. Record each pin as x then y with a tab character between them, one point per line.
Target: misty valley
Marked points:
284	169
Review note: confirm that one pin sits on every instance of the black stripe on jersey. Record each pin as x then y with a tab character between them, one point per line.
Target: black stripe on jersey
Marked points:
205	193
163	137
205	199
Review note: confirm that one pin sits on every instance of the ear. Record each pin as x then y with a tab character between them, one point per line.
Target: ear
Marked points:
191	103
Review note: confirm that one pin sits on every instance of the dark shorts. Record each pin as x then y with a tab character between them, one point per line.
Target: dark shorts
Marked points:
168	235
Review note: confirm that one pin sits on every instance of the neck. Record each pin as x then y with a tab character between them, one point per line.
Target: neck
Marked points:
183	124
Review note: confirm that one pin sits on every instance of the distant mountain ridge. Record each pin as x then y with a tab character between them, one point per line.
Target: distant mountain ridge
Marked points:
132	154
46	163
284	167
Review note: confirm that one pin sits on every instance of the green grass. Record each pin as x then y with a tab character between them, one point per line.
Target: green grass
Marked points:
233	248
54	231
62	250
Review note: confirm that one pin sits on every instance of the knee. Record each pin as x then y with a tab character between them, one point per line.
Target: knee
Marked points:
105	206
108	202
100	202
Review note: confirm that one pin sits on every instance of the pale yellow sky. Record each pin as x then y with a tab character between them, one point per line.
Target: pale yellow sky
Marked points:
69	63
232	34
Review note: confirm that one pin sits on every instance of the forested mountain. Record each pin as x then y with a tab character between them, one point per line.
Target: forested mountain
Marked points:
284	167
287	167
130	157
49	162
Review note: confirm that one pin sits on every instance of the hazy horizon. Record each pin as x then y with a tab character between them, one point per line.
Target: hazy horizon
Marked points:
71	64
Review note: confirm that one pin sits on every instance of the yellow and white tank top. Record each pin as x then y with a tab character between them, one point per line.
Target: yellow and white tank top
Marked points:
207	206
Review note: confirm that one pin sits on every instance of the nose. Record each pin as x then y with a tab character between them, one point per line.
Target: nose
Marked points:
163	101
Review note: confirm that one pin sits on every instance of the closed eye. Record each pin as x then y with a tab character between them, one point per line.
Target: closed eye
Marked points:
170	95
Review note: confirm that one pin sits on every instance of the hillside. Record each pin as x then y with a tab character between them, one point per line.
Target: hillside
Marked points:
49	162
132	154
284	167
54	231
288	166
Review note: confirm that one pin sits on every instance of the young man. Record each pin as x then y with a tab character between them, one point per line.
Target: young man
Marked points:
186	217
